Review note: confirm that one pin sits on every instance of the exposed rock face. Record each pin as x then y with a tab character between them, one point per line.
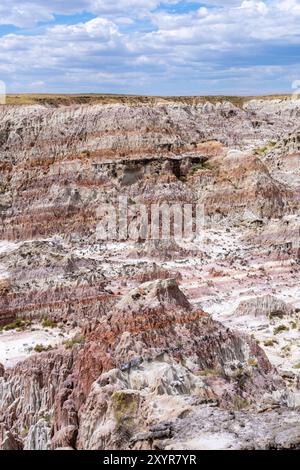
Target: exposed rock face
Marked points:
157	319
66	156
153	345
38	437
267	306
30	396
209	428
136	362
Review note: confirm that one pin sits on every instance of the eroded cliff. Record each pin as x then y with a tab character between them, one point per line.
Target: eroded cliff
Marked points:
100	347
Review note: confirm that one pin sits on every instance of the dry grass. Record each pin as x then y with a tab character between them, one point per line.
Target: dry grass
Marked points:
68	99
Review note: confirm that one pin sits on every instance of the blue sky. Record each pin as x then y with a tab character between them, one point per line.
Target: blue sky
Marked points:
150	47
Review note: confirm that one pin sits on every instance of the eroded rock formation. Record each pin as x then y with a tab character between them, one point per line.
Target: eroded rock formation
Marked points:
154	347
100	346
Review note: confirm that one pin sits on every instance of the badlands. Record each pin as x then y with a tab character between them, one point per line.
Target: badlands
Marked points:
130	341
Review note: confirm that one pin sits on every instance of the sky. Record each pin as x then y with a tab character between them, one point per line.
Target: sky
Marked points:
150	47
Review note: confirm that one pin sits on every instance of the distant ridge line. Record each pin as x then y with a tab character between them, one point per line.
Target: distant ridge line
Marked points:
108	98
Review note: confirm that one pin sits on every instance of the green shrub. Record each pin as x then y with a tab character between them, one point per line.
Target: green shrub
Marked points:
280	329
278	314
18	324
39	348
265	149
270	342
47	323
200	166
78	339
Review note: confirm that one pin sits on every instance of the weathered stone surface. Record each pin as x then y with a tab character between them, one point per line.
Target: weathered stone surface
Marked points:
39	436
267	306
136	362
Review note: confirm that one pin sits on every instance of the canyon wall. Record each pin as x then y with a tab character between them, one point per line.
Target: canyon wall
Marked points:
146	337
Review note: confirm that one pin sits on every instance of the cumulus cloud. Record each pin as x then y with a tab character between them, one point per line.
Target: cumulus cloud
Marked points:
151	46
26	14
100	28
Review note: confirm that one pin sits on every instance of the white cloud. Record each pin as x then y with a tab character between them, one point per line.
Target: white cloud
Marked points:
223	45
23	14
26	14
100	28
